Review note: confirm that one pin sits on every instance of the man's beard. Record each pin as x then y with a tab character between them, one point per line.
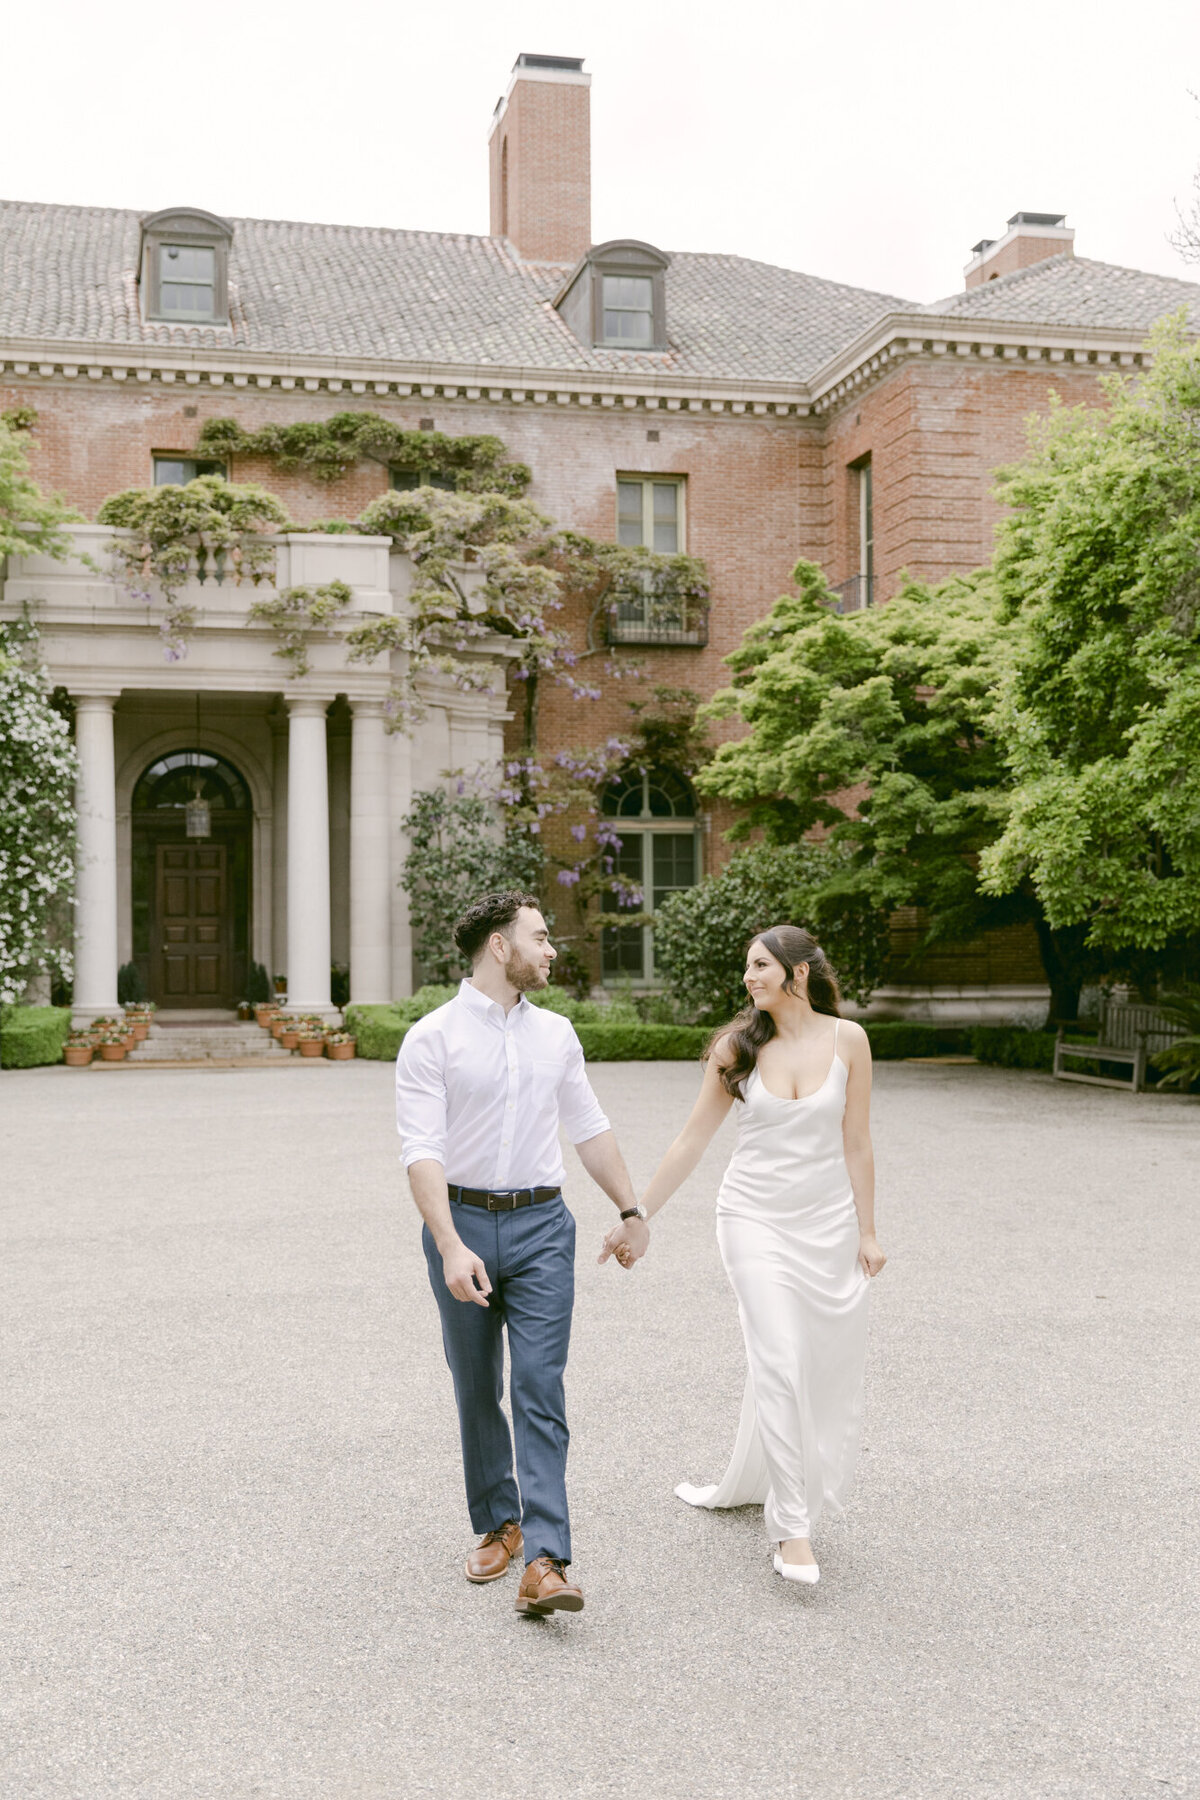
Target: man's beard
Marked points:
526	977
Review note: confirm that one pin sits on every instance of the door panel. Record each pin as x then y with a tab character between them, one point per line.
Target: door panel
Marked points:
194	928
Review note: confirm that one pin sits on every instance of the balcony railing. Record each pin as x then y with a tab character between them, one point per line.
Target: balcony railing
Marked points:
658	622
855	593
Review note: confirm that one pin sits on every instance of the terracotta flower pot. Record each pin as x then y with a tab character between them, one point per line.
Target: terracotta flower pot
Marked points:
264	1014
340	1052
77	1056
277	1026
311	1046
140	1029
289	1039
112	1052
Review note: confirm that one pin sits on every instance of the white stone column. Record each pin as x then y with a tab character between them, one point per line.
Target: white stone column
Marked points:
308	858
96	859
370	872
338	732
277	960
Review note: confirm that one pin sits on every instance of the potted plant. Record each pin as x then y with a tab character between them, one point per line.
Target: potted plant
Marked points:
113	1045
289	1037
311	1042
78	1050
137	1021
278	1023
280	986
244	1012
264	1012
340	1046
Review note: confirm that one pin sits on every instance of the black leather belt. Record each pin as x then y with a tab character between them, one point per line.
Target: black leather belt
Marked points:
508	1201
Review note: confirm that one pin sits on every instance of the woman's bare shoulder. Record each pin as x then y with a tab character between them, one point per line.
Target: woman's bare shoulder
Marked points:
852	1035
721	1050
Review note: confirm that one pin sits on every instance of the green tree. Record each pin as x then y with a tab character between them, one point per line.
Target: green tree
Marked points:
30	521
1098	570
457	852
701	933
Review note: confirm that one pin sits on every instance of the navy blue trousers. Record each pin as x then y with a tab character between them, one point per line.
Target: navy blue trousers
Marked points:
529	1255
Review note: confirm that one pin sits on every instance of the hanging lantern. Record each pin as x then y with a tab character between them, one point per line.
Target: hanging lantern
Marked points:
198	816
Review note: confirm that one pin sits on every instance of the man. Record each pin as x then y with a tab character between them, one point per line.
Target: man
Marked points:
481	1086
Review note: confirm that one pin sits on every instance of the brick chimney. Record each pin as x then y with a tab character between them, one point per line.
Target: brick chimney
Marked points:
1031	237
539	152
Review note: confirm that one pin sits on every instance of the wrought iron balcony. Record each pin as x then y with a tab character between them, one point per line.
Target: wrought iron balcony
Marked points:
658	622
855	593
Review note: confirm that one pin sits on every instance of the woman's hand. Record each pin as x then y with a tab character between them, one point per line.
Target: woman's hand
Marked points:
870	1257
628	1240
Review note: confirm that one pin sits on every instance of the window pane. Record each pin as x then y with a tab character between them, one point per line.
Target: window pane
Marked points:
622	946
674	863
666	538
189	300
184	262
628	327
666	501
629	514
173	471
635	291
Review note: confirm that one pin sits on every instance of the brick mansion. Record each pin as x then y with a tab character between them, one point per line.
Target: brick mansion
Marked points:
685	400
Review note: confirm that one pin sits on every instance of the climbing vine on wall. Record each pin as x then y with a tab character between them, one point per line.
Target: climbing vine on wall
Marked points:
329	448
209	526
297	615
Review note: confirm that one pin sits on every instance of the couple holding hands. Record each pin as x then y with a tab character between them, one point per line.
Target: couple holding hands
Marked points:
482	1086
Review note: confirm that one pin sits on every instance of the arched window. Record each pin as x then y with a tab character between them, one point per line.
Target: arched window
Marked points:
184	775
654	813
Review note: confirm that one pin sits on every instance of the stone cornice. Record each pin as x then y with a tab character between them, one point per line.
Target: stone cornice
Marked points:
894	337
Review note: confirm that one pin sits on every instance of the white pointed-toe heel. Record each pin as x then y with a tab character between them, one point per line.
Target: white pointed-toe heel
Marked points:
808	1573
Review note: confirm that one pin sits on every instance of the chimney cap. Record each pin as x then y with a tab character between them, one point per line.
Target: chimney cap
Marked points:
530	60
983	244
1032	218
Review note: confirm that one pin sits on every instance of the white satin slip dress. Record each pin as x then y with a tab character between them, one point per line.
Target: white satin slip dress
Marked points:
788	1235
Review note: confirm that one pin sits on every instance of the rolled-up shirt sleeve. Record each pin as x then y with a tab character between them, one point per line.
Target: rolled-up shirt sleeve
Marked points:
579	1110
421	1098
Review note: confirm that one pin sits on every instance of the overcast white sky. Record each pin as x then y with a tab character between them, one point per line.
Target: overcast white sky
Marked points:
871	142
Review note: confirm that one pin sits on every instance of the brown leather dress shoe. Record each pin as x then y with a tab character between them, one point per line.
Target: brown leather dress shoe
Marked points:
545	1589
491	1556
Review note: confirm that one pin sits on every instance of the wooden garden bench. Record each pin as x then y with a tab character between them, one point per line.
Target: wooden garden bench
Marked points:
1130	1033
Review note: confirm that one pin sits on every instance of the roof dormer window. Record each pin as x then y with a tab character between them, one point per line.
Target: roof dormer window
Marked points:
628	306
185	267
616	297
187	281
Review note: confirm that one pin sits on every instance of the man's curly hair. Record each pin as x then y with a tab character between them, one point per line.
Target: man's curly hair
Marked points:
491	912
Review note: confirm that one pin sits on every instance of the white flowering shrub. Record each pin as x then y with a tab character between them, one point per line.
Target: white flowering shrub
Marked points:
37	817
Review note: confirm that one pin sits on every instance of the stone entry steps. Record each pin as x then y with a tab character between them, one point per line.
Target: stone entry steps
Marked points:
207	1043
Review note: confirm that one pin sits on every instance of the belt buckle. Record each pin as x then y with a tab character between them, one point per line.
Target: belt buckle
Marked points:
500	1202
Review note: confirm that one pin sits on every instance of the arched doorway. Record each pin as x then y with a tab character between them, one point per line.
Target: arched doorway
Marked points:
191	822
654	813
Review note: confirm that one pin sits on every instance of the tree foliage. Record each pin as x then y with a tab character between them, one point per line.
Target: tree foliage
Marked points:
701	933
37	817
457	852
1098	575
31	523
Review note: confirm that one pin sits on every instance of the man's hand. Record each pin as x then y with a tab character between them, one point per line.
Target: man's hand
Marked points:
628	1240
462	1270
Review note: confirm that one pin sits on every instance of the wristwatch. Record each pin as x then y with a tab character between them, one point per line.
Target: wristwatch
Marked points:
635	1212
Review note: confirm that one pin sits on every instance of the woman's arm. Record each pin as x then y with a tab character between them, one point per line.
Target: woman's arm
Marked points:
712	1104
856	1138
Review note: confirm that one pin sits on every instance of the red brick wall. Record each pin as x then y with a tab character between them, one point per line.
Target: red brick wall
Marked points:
546	126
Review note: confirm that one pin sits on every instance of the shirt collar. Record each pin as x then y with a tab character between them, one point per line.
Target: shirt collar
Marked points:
491	1010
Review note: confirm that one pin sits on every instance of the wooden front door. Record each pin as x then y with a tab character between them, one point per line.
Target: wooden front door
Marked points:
193	925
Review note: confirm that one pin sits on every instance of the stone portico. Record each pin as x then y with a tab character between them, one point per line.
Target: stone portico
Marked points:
299	865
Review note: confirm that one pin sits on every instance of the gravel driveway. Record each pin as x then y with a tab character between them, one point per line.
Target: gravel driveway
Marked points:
234	1526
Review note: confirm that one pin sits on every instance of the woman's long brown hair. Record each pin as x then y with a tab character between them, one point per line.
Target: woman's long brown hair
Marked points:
790	945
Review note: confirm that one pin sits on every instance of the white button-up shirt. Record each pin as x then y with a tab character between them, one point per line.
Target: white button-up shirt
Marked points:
482	1091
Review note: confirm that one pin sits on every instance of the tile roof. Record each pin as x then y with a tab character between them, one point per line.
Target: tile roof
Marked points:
1073	290
69	272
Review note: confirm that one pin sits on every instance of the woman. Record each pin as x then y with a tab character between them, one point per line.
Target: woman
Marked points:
796	1229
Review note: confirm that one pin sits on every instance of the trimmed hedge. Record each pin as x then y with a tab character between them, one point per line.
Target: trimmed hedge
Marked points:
1007	1048
33	1035
614	1033
643	1043
891	1040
